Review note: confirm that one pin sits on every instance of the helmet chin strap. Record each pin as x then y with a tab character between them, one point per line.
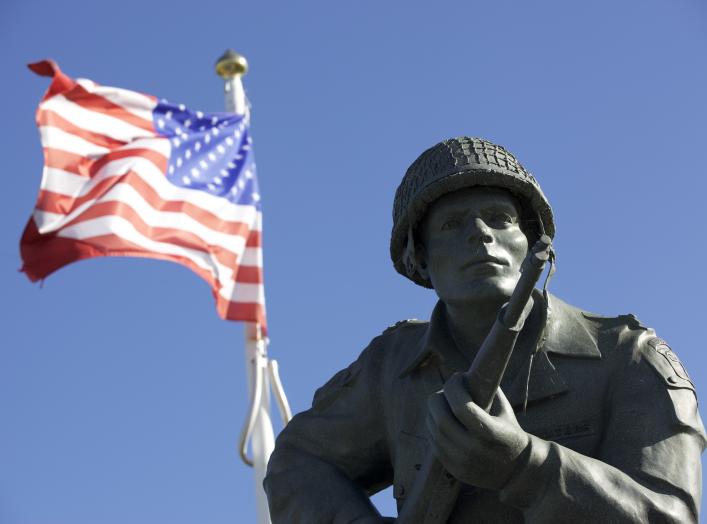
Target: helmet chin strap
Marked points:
548	314
409	259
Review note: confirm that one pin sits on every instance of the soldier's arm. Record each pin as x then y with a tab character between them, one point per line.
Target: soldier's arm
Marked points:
331	457
648	467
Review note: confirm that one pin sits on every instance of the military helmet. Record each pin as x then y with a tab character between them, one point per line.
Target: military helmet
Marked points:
456	164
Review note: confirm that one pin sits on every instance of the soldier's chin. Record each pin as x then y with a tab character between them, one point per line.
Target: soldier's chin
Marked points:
491	292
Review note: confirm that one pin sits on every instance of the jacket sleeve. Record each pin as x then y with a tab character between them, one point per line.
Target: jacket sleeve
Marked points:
648	466
329	458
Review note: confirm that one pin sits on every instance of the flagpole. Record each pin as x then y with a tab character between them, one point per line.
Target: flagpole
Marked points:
258	428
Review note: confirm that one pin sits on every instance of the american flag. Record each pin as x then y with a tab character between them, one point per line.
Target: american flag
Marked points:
126	174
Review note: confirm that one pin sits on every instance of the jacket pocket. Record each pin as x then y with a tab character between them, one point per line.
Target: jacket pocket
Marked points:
409	454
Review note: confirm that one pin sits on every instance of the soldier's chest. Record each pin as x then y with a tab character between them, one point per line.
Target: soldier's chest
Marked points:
565	403
568	411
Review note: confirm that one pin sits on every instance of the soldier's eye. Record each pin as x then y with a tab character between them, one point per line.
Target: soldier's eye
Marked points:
501	219
451	223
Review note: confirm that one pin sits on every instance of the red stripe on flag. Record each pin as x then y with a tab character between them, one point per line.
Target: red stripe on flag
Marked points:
80	96
85	166
153	156
245	311
44	254
56	203
249	275
73	163
60	82
255	239
173	236
46	117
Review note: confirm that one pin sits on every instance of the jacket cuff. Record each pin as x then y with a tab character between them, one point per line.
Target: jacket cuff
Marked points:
529	481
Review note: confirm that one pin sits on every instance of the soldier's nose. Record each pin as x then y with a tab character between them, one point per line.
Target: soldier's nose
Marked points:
479	231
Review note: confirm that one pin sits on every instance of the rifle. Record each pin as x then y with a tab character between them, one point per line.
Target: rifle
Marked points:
435	491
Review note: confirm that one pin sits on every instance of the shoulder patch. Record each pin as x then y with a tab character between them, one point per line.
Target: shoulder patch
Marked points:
402	323
667	364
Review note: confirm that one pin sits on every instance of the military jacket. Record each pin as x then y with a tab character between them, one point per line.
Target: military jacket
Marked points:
612	414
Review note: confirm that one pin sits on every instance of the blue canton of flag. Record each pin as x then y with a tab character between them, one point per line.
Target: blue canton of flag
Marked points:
211	152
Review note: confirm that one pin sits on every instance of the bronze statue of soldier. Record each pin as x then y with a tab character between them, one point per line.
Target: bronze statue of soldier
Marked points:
595	419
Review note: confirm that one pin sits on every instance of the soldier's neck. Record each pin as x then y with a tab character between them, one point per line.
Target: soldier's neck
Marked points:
470	324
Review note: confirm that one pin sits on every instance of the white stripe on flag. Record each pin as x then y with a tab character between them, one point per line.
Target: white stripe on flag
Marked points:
147	171
115	225
240	292
128	195
136	103
252	256
62	182
95	121
158	145
57	138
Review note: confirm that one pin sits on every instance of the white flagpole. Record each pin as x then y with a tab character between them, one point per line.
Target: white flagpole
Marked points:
262	438
258	428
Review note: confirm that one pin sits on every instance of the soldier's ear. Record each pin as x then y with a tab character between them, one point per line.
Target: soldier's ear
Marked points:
415	257
421	261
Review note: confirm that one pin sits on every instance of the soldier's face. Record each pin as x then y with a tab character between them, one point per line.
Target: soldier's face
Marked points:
472	246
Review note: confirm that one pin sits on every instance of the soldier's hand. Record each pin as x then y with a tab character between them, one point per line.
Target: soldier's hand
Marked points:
481	449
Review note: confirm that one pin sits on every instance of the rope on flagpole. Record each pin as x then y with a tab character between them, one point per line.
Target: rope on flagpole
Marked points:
258	363
257	431
280	397
262	367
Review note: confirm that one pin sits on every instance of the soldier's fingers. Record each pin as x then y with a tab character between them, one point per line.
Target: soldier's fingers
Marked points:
443	447
456	391
440	441
501	407
442	419
459	398
470	415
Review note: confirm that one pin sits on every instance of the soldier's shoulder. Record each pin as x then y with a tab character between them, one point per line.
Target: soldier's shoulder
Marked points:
656	352
633	342
624	339
577	326
394	339
396	344
594	322
405	325
625	322
400	336
374	360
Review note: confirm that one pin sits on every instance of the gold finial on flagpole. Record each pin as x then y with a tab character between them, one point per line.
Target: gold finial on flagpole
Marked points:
231	67
231	64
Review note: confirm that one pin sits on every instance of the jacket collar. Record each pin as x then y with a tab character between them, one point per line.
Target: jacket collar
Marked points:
436	343
568	333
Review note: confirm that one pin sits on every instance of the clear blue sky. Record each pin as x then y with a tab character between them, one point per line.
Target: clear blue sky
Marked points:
121	391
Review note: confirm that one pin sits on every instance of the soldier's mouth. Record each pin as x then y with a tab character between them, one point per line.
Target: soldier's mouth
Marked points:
483	261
